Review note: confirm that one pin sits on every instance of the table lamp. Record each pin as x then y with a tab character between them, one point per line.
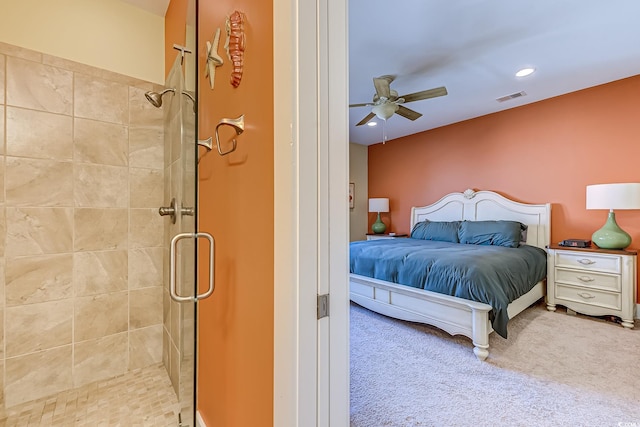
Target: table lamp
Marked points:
378	205
613	196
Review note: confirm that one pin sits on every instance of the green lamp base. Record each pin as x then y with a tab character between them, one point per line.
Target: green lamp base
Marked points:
610	236
378	227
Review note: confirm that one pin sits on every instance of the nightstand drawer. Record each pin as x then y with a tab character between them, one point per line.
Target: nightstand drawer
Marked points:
589	279
592	297
588	261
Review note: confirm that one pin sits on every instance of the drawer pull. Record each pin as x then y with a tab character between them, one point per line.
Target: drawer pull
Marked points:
586	261
586	279
586	295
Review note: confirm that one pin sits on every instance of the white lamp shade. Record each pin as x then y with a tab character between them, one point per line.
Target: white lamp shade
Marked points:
613	196
379	205
385	110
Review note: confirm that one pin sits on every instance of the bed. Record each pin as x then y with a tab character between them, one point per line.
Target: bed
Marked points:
454	314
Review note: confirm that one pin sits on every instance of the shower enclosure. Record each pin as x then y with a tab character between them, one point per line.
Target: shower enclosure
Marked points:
85	257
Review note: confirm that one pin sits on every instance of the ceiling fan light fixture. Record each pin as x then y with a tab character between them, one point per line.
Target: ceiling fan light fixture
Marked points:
385	110
372	123
524	72
386	101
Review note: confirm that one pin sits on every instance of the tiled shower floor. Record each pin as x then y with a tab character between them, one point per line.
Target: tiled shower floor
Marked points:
139	398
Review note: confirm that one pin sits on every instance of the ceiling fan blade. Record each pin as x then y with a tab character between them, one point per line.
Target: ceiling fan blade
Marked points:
367	104
366	119
407	113
382	86
425	94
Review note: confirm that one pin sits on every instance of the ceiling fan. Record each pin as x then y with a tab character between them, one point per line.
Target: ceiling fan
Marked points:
386	101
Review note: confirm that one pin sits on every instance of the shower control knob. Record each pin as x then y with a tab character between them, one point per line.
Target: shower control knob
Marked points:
169	210
166	211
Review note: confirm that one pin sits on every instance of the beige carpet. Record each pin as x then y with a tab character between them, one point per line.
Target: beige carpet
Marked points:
554	369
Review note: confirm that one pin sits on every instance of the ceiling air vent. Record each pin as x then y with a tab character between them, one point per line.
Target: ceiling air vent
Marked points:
512	96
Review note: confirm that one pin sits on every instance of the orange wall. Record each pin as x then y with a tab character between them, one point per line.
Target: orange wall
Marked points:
236	206
548	151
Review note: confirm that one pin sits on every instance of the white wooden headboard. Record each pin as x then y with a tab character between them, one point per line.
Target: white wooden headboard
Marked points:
486	205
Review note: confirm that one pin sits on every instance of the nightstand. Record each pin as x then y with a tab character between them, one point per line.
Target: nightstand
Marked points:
593	281
372	236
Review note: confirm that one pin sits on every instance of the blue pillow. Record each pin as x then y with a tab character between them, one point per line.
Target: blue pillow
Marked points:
497	233
443	231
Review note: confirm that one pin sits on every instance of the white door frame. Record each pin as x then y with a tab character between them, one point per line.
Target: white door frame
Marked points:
311	357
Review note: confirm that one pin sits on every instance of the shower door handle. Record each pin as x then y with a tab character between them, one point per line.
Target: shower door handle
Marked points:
172	266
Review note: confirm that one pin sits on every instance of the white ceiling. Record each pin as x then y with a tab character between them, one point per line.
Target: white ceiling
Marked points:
474	47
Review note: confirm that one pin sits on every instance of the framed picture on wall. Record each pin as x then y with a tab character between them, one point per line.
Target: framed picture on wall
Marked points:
352	194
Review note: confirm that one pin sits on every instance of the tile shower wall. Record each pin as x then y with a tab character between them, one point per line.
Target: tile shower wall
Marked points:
81	173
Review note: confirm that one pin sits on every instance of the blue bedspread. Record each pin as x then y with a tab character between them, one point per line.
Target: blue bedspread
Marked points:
494	275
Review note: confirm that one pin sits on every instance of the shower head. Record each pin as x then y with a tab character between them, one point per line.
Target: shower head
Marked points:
155	98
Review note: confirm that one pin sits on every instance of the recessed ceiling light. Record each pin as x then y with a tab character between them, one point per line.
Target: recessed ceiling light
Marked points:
525	72
372	124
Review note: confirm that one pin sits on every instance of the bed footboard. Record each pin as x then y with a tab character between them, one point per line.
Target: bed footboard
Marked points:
453	315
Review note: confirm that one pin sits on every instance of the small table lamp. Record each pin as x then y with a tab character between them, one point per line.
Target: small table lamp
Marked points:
378	205
613	196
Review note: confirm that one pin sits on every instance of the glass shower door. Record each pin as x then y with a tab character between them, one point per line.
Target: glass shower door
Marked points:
181	234
179	264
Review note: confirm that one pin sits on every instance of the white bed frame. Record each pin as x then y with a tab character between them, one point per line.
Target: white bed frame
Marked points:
455	315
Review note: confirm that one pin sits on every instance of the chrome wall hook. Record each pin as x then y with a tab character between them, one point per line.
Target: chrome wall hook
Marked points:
238	125
183	50
206	143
